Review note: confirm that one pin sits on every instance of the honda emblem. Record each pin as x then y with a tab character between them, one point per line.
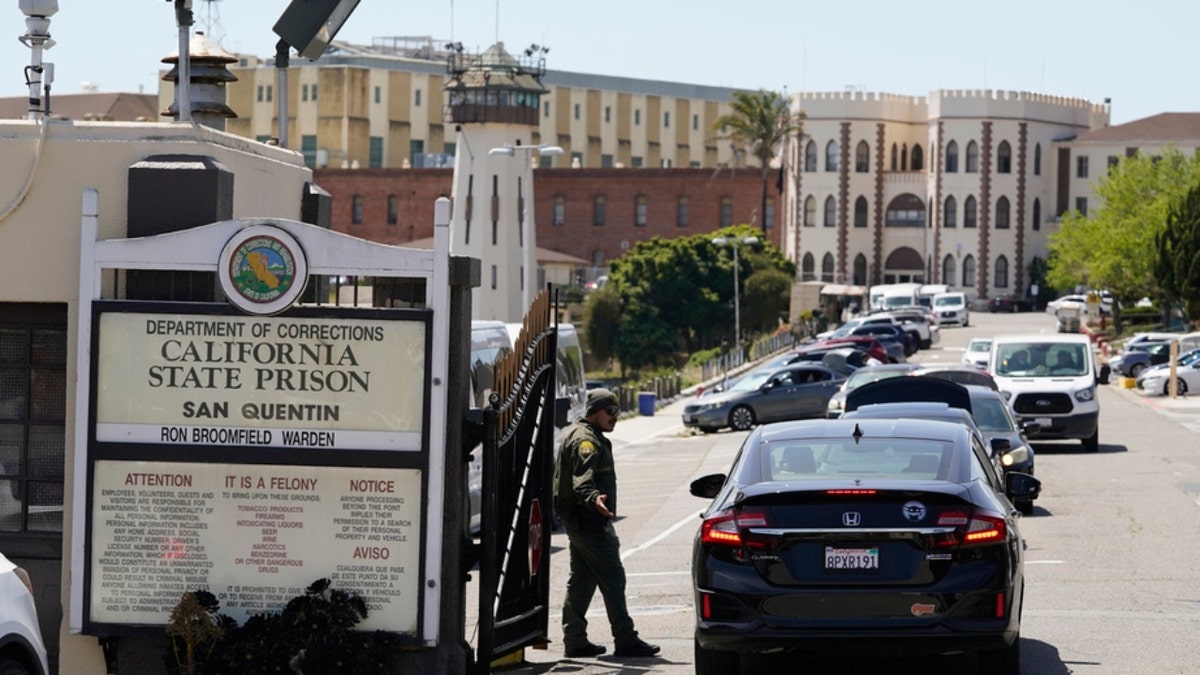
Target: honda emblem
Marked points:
851	518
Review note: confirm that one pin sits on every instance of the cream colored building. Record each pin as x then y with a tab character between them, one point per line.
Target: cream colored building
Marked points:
958	187
383	106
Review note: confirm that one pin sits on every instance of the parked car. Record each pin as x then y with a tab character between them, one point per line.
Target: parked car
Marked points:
865	376
886	333
977	352
864	536
788	393
22	651
1009	303
964	375
1132	361
1156	372
952	308
1187	373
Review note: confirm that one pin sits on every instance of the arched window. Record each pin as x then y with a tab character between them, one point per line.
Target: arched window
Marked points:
827	268
810	211
599	210
860	211
905	210
830	212
949	273
860	270
1037	159
862	157
950	214
1001	280
904	157
810	157
1002	210
968	278
1037	214
831	156
639	211
726	211
559	217
894	162
808	266
681	212
1004	158
972	157
952	157
970	212
918	158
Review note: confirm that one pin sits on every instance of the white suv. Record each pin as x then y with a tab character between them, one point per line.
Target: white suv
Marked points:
22	651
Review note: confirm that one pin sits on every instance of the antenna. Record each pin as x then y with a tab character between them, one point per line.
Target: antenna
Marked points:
211	20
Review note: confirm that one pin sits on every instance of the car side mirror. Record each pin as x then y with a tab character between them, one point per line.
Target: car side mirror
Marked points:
1030	427
708	486
1000	446
562	408
1021	486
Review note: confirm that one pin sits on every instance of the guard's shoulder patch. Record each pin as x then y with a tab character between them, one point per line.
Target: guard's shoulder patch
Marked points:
586	448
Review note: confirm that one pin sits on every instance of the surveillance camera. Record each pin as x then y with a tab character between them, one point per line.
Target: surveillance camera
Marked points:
39	7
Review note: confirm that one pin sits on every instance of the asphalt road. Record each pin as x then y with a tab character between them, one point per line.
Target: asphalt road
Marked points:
1112	553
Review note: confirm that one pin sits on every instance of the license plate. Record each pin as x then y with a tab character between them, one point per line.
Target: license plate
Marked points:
1044	422
852	559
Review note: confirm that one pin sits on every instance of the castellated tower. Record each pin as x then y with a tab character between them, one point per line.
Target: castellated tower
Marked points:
494	102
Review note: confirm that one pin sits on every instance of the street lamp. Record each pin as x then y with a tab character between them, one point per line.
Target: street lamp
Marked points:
527	239
737	310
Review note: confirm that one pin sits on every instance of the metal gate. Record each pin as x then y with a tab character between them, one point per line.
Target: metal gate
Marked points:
518	459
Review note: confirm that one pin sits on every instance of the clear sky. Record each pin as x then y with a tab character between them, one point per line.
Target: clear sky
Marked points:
1139	54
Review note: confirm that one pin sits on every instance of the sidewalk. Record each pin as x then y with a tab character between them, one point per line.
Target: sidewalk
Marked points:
1185	404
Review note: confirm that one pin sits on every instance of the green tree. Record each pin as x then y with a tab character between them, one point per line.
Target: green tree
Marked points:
601	316
1113	246
1177	260
767	299
760	122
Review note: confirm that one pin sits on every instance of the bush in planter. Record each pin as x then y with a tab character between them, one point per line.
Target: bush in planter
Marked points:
313	635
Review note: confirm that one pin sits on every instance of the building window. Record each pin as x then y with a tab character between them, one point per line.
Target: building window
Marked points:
636	162
860	270
952	157
810	211
546	109
695	122
495	277
416	98
862	157
918	158
895	161
576	111
416	152
607	114
968	277
831	156
769	216
666	119
904	157
576	160
304	93
1081	166
860	211
1004	158
1037	159
693	164
1113	161
606	161
356	210
639	211
905	210
259	97
598	210
1081	205
1002	211
970	212
827	268
726	211
378	94
452	149
681	212
308	147
1001	273
314	92
808	268
375	152
830	212
972	157
1037	214
950	213
637	118
949	271
810	157
393	206
33	396
559	216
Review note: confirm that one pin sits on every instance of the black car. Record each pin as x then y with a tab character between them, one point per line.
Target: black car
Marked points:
1009	303
860	537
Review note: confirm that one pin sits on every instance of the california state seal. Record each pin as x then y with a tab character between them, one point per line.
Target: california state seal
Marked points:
262	270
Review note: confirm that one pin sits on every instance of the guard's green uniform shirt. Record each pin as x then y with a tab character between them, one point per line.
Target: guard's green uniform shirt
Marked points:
584	471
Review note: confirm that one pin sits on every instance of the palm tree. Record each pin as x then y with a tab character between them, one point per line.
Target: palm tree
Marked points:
760	121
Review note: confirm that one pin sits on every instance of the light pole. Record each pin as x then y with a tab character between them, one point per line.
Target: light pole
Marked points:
527	240
737	310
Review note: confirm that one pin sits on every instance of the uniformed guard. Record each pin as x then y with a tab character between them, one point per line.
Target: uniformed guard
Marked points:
585	498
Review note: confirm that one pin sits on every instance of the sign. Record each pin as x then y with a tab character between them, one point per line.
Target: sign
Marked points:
203	379
262	270
255	536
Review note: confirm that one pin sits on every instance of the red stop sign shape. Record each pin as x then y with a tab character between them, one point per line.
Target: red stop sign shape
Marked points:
535	537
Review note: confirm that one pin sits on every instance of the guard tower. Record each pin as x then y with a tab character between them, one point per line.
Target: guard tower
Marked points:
494	100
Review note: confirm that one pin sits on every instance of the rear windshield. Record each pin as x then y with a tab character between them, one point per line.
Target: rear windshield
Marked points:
904	458
1041	359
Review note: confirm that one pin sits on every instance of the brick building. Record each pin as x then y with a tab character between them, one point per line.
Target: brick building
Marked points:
592	214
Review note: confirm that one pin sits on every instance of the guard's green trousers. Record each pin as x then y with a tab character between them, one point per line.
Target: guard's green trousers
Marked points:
595	563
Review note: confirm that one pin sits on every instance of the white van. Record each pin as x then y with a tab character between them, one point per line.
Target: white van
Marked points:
1051	380
952	308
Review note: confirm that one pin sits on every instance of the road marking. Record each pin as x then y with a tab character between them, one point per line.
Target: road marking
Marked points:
660	574
690	519
1045	562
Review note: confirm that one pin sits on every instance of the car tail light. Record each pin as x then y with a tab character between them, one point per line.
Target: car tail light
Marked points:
850	492
24	577
970	529
726	527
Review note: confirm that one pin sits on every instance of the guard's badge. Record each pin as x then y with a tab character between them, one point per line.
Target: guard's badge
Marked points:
586	449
